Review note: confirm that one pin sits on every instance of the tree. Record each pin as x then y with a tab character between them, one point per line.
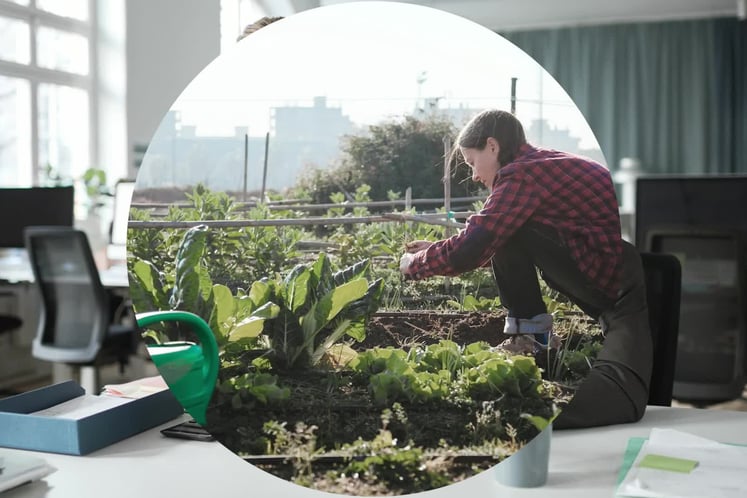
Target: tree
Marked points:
392	155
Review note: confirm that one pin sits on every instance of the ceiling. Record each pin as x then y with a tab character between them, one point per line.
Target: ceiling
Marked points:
506	15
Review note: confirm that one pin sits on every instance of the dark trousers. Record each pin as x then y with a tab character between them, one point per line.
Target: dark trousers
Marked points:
616	388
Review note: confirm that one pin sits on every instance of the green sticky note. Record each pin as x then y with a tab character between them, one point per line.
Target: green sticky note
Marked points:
672	464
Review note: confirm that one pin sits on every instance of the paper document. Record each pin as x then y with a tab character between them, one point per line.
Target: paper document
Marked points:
82	407
17	469
137	388
677	464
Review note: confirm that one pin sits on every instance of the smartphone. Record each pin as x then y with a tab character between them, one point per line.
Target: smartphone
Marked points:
188	430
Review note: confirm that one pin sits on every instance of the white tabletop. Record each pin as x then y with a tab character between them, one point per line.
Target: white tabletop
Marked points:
583	463
16	269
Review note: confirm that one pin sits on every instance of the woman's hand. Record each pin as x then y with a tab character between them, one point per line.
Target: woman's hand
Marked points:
417	245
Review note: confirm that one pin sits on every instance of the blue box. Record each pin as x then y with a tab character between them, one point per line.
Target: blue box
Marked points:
78	436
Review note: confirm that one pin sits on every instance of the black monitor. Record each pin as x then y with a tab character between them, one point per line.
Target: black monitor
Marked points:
22	207
689	201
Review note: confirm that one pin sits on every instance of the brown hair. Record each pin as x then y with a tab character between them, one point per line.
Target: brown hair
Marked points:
256	25
500	125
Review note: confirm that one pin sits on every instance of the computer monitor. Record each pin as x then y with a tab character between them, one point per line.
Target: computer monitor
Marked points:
121	212
23	207
689	201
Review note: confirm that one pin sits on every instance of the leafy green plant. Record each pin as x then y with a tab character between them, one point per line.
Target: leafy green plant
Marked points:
317	308
472	303
254	388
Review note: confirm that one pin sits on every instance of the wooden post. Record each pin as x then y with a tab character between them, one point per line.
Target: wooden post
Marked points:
408	205
447	181
447	196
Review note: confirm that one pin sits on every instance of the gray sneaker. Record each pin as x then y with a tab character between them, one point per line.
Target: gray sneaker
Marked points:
529	335
528	344
538	324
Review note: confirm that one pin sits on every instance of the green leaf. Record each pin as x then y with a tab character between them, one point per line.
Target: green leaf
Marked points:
342	296
297	288
147	293
186	291
224	304
260	293
248	328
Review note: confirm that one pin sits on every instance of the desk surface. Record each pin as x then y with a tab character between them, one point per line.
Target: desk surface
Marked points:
583	463
15	268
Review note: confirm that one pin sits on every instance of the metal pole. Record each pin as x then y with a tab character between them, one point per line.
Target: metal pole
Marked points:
264	171
513	95
246	163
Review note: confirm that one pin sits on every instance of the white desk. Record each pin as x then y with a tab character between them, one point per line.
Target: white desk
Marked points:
16	269
583	463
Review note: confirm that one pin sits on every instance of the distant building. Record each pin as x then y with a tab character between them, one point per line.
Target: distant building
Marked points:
299	136
304	136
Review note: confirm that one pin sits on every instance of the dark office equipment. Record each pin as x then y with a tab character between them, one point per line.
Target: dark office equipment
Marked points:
689	201
710	364
703	221
663	280
22	207
74	324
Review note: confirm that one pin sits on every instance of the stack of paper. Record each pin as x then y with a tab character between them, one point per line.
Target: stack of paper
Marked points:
676	464
17	469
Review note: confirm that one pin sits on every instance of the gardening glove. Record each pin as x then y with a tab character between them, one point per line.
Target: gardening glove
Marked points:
404	263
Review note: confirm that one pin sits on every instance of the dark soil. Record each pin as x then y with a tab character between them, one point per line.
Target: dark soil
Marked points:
406	328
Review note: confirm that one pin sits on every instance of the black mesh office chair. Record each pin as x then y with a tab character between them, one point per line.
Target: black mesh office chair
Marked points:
8	323
75	321
663	287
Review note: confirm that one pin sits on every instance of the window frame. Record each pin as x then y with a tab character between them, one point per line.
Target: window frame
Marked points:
37	75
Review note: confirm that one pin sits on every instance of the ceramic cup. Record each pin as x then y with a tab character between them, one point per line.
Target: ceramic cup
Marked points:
527	468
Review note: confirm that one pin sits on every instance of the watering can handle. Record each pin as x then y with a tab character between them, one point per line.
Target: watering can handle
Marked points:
202	329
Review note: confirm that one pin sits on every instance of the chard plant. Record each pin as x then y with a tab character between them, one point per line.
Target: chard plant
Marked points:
318	308
236	320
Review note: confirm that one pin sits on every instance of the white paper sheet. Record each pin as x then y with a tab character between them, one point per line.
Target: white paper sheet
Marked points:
721	471
16	469
137	388
82	406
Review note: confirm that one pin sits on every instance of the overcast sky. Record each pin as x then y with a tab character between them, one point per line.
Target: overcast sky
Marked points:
367	58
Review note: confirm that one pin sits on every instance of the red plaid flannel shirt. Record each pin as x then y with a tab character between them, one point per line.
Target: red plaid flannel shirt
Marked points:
574	195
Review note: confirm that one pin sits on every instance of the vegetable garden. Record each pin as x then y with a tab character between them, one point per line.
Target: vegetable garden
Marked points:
335	373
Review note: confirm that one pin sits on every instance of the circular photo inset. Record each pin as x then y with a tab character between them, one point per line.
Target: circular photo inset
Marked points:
334	241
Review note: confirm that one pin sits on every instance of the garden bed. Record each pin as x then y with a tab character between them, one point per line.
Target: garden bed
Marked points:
330	421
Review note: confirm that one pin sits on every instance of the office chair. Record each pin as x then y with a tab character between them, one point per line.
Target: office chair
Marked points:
75	320
663	287
9	323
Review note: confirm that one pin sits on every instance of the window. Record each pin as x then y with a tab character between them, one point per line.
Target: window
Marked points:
47	104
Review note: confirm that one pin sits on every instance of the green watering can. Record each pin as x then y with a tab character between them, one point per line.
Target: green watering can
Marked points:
189	369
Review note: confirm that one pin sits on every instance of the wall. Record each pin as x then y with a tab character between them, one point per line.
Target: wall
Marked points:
168	43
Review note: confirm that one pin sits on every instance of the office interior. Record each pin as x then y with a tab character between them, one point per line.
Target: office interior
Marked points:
662	84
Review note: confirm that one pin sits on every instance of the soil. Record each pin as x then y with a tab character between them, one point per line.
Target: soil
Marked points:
404	329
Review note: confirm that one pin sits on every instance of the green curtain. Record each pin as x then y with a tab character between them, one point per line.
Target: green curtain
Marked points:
669	93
